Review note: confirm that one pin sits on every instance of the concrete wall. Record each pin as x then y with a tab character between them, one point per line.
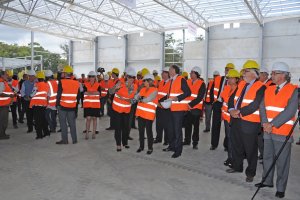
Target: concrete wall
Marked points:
83	57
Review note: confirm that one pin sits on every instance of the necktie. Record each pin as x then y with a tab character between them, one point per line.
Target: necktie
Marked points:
277	89
241	97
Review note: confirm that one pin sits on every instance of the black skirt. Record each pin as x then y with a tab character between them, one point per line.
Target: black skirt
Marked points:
91	112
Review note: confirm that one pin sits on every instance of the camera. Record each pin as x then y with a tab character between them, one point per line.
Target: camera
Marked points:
101	70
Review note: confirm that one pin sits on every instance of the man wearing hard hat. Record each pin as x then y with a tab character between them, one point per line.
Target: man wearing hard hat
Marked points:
245	120
21	108
277	113
51	111
14	84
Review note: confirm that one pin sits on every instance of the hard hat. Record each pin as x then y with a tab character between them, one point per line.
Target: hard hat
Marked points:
232	73
166	103
185	74
196	69
31	72
145	71
166	69
9	73
280	66
241	72
115	71
55	76
230	66
131	72
109	73
216	73
251	64
139	73
48	73
264	70
148	76
92	73
106	77
158	78
68	69
40	74
155	72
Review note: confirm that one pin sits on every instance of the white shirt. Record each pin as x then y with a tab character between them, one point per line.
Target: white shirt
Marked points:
281	85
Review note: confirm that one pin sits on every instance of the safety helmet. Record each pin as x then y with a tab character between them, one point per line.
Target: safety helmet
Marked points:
115	71
232	73
48	73
230	66
196	69
251	64
145	71
40	74
280	66
68	69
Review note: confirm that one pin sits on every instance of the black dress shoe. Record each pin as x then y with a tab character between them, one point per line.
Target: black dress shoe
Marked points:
21	121
134	127
97	132
226	162
233	171
279	194
130	138
110	128
212	148
195	147
59	130
263	185
38	138
156	141
167	149
175	155
15	126
118	150
249	179
186	143
165	143
149	151
4	137
61	142
206	130
29	131
139	150
127	147
260	157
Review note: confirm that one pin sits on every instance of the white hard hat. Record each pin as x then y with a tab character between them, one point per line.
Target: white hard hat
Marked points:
106	77
264	70
130	71
216	73
148	76
154	72
166	103
280	66
31	72
92	73
166	69
48	73
196	69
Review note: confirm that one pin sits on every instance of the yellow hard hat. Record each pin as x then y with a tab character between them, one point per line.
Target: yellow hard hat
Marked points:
232	73
68	69
230	66
40	74
109	73
251	64
185	74
55	75
139	73
10	73
145	71
158	78
115	71
241	72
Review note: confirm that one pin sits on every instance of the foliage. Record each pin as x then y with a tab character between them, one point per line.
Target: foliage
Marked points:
173	50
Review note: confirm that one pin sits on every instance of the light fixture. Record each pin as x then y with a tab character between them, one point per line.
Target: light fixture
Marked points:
141	34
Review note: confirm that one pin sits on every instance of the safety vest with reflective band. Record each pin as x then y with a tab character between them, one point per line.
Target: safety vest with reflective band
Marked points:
217	87
208	89
105	85
120	104
69	93
147	110
5	101
249	97
194	87
225	94
276	103
163	89
15	84
91	100
176	91
53	87
40	98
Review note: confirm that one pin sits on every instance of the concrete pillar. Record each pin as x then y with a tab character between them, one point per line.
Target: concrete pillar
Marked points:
32	48
71	51
206	56
162	53
261	45
96	52
126	50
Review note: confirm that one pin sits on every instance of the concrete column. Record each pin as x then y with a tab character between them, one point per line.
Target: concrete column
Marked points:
162	53
96	52
126	50
206	56
71	48
261	45
183	42
32	48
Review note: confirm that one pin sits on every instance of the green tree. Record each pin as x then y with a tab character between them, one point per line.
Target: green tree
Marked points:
173	50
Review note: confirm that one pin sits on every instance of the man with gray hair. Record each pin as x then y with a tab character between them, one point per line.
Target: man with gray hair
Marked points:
277	112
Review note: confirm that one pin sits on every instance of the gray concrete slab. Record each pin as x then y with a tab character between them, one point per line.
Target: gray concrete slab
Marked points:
92	169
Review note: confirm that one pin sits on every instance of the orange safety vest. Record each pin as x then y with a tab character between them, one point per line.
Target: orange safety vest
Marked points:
105	86
5	101
120	104
15	84
147	110
53	87
268	83
249	98
163	89
93	100
217	87
40	98
226	93
276	103
69	93
176	91
207	95
194	87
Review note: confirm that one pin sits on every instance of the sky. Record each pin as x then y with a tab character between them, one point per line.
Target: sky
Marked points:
13	35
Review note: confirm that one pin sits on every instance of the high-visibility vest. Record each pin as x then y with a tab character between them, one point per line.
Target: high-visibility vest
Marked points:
208	89
69	93
53	87
217	87
91	101
120	104
105	86
276	103
269	83
176	91
226	93
163	89
15	84
147	110
82	80
194	87
40	98
140	82
249	97
5	101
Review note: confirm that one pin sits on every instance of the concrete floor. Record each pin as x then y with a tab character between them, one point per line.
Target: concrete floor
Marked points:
41	170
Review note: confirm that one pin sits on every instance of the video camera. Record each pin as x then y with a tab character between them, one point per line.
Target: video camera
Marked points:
101	70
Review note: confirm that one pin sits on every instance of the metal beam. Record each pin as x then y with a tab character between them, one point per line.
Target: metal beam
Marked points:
96	45
255	11
183	9
162	51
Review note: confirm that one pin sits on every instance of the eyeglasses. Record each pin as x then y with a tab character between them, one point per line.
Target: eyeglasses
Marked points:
274	73
147	80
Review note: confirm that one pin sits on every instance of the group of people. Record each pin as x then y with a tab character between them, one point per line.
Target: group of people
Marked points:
258	111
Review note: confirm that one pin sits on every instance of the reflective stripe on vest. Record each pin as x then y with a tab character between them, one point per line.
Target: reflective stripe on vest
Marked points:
91	100
5	101
207	95
53	87
276	103
217	87
176	91
120	104
40	97
194	87
69	93
147	110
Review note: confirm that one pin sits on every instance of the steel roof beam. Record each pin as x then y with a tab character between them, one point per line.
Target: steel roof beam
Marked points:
255	11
